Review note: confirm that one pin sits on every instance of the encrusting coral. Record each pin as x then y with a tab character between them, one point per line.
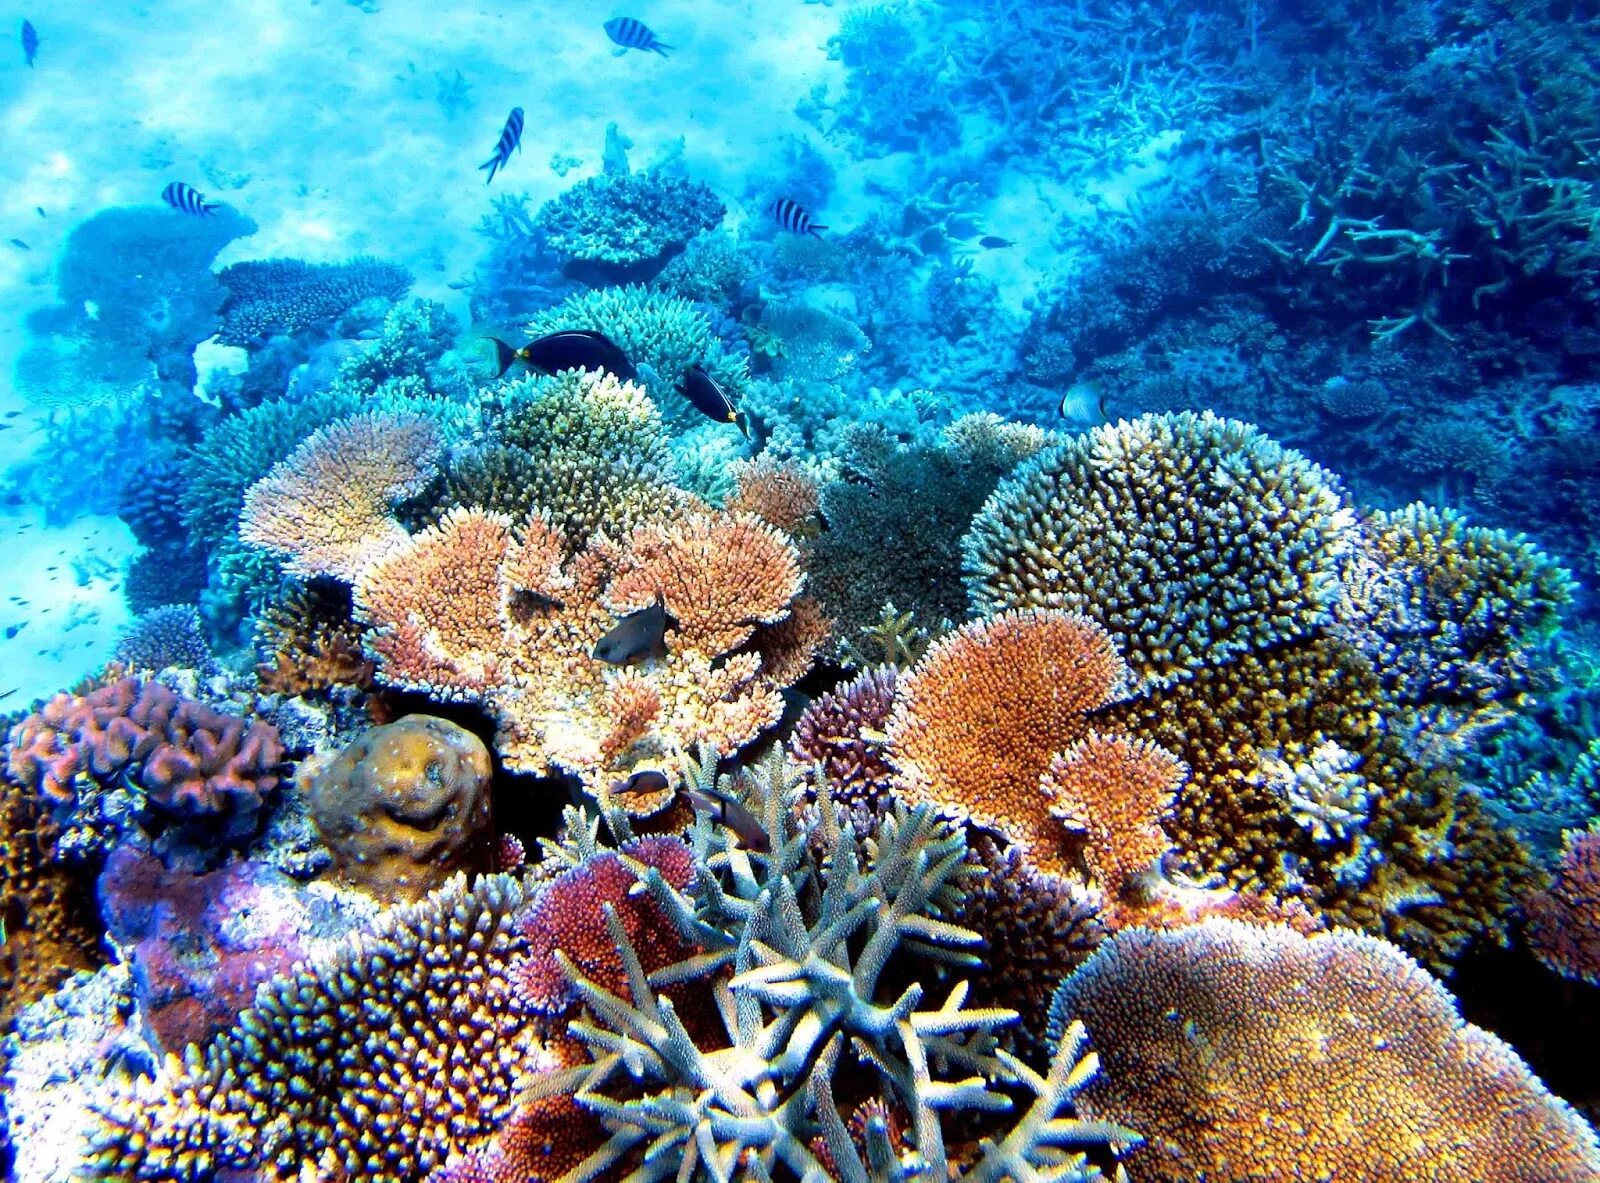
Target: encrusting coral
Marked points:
1241	1051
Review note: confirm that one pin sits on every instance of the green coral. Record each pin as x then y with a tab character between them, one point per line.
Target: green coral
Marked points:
417	341
1190	538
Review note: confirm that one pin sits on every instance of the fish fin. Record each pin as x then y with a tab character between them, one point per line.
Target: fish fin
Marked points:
742	422
660	47
504	355
814	228
493	165
616	53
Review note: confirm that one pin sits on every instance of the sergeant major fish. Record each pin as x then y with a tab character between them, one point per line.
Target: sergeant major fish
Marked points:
30	42
793	216
186	199
569	349
632	34
510	140
705	396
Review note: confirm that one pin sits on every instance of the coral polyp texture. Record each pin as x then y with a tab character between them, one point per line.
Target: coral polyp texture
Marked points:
1247	1052
839	741
268	297
1150	526
620	225
328	508
1564	918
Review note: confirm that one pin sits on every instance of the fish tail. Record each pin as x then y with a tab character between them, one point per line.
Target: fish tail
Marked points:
660	47
493	165
504	356
813	228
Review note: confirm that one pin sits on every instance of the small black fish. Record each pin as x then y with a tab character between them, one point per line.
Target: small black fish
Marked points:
705	396
30	42
570	349
15	629
751	833
20	245
646	780
39	209
792	215
639	636
12	414
993	242
509	142
632	34
186	199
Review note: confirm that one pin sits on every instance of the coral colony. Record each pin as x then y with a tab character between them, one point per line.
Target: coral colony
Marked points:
1144	731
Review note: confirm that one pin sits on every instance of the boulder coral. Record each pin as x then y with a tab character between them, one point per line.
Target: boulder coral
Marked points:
1246	1052
405	806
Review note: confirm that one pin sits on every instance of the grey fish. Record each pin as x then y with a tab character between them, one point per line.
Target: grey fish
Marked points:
632	34
646	780
20	245
993	242
30	42
639	636
751	833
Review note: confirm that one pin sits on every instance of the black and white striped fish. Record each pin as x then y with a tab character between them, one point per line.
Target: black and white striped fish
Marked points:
632	34
510	141
186	199
792	215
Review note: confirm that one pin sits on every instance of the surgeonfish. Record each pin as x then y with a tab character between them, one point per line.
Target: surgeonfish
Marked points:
510	140
30	42
569	349
705	396
638	637
646	780
186	199
751	833
632	34
793	216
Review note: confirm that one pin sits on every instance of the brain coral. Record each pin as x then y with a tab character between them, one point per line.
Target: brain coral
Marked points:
1242	1052
328	507
377	1062
1191	538
405	806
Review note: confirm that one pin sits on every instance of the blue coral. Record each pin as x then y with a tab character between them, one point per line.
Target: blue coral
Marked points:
620	227
268	297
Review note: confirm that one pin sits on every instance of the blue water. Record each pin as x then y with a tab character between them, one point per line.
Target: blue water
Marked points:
812	236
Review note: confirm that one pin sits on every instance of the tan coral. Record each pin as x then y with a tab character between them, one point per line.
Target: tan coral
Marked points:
779	492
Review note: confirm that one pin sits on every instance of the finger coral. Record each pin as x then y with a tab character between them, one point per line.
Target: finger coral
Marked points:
328	507
1190	538
1564	918
170	635
1248	1052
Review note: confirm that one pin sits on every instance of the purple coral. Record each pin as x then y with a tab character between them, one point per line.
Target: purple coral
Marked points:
839	736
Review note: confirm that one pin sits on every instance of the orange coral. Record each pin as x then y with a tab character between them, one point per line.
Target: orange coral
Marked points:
979	718
327	507
787	648
1241	1052
779	492
1115	792
309	642
720	575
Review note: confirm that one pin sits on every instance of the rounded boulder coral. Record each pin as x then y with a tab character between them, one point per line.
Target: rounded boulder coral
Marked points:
1190	538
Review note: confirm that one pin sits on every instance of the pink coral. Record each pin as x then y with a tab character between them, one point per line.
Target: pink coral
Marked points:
1564	919
839	738
328	506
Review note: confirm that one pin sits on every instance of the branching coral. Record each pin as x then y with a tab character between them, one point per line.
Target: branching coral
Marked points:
626	226
308	641
328	507
839	741
267	297
170	635
1191	538
779	492
1564	918
1248	1052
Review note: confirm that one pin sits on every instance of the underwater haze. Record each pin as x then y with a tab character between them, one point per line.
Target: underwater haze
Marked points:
803	590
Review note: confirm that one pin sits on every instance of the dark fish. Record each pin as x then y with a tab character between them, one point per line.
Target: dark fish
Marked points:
20	245
510	141
993	242
39	209
186	199
703	393
30	41
792	215
646	780
751	833
639	636
7	694
570	349
632	34
15	629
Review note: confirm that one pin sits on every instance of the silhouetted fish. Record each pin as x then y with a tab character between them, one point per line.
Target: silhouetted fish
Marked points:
570	349
632	34
186	199
637	637
993	242
793	216
20	245
703	393
30	42
751	833
510	140
646	780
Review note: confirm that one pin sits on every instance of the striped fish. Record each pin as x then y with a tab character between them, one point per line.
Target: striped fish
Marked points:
510	141
632	34
30	42
186	199
792	215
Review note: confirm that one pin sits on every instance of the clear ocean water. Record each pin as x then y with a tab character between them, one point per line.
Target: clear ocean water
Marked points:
797	590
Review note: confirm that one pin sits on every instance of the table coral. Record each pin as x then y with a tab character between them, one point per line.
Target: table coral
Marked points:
329	506
267	297
1249	1052
1564	918
405	806
626	226
1150	526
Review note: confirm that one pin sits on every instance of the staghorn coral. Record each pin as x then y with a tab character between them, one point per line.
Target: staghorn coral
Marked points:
134	755
1564	918
405	806
982	437
328	507
269	297
1191	538
1248	1052
170	635
977	721
309	642
622	226
376	1062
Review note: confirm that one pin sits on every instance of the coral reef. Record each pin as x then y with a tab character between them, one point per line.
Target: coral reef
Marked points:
169	635
838	741
272	297
1564	918
623	227
1246	1052
405	806
1143	525
309	642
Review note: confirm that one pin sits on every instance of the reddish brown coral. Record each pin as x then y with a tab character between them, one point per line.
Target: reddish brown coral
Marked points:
1241	1052
779	492
1564	919
309	642
542	1140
